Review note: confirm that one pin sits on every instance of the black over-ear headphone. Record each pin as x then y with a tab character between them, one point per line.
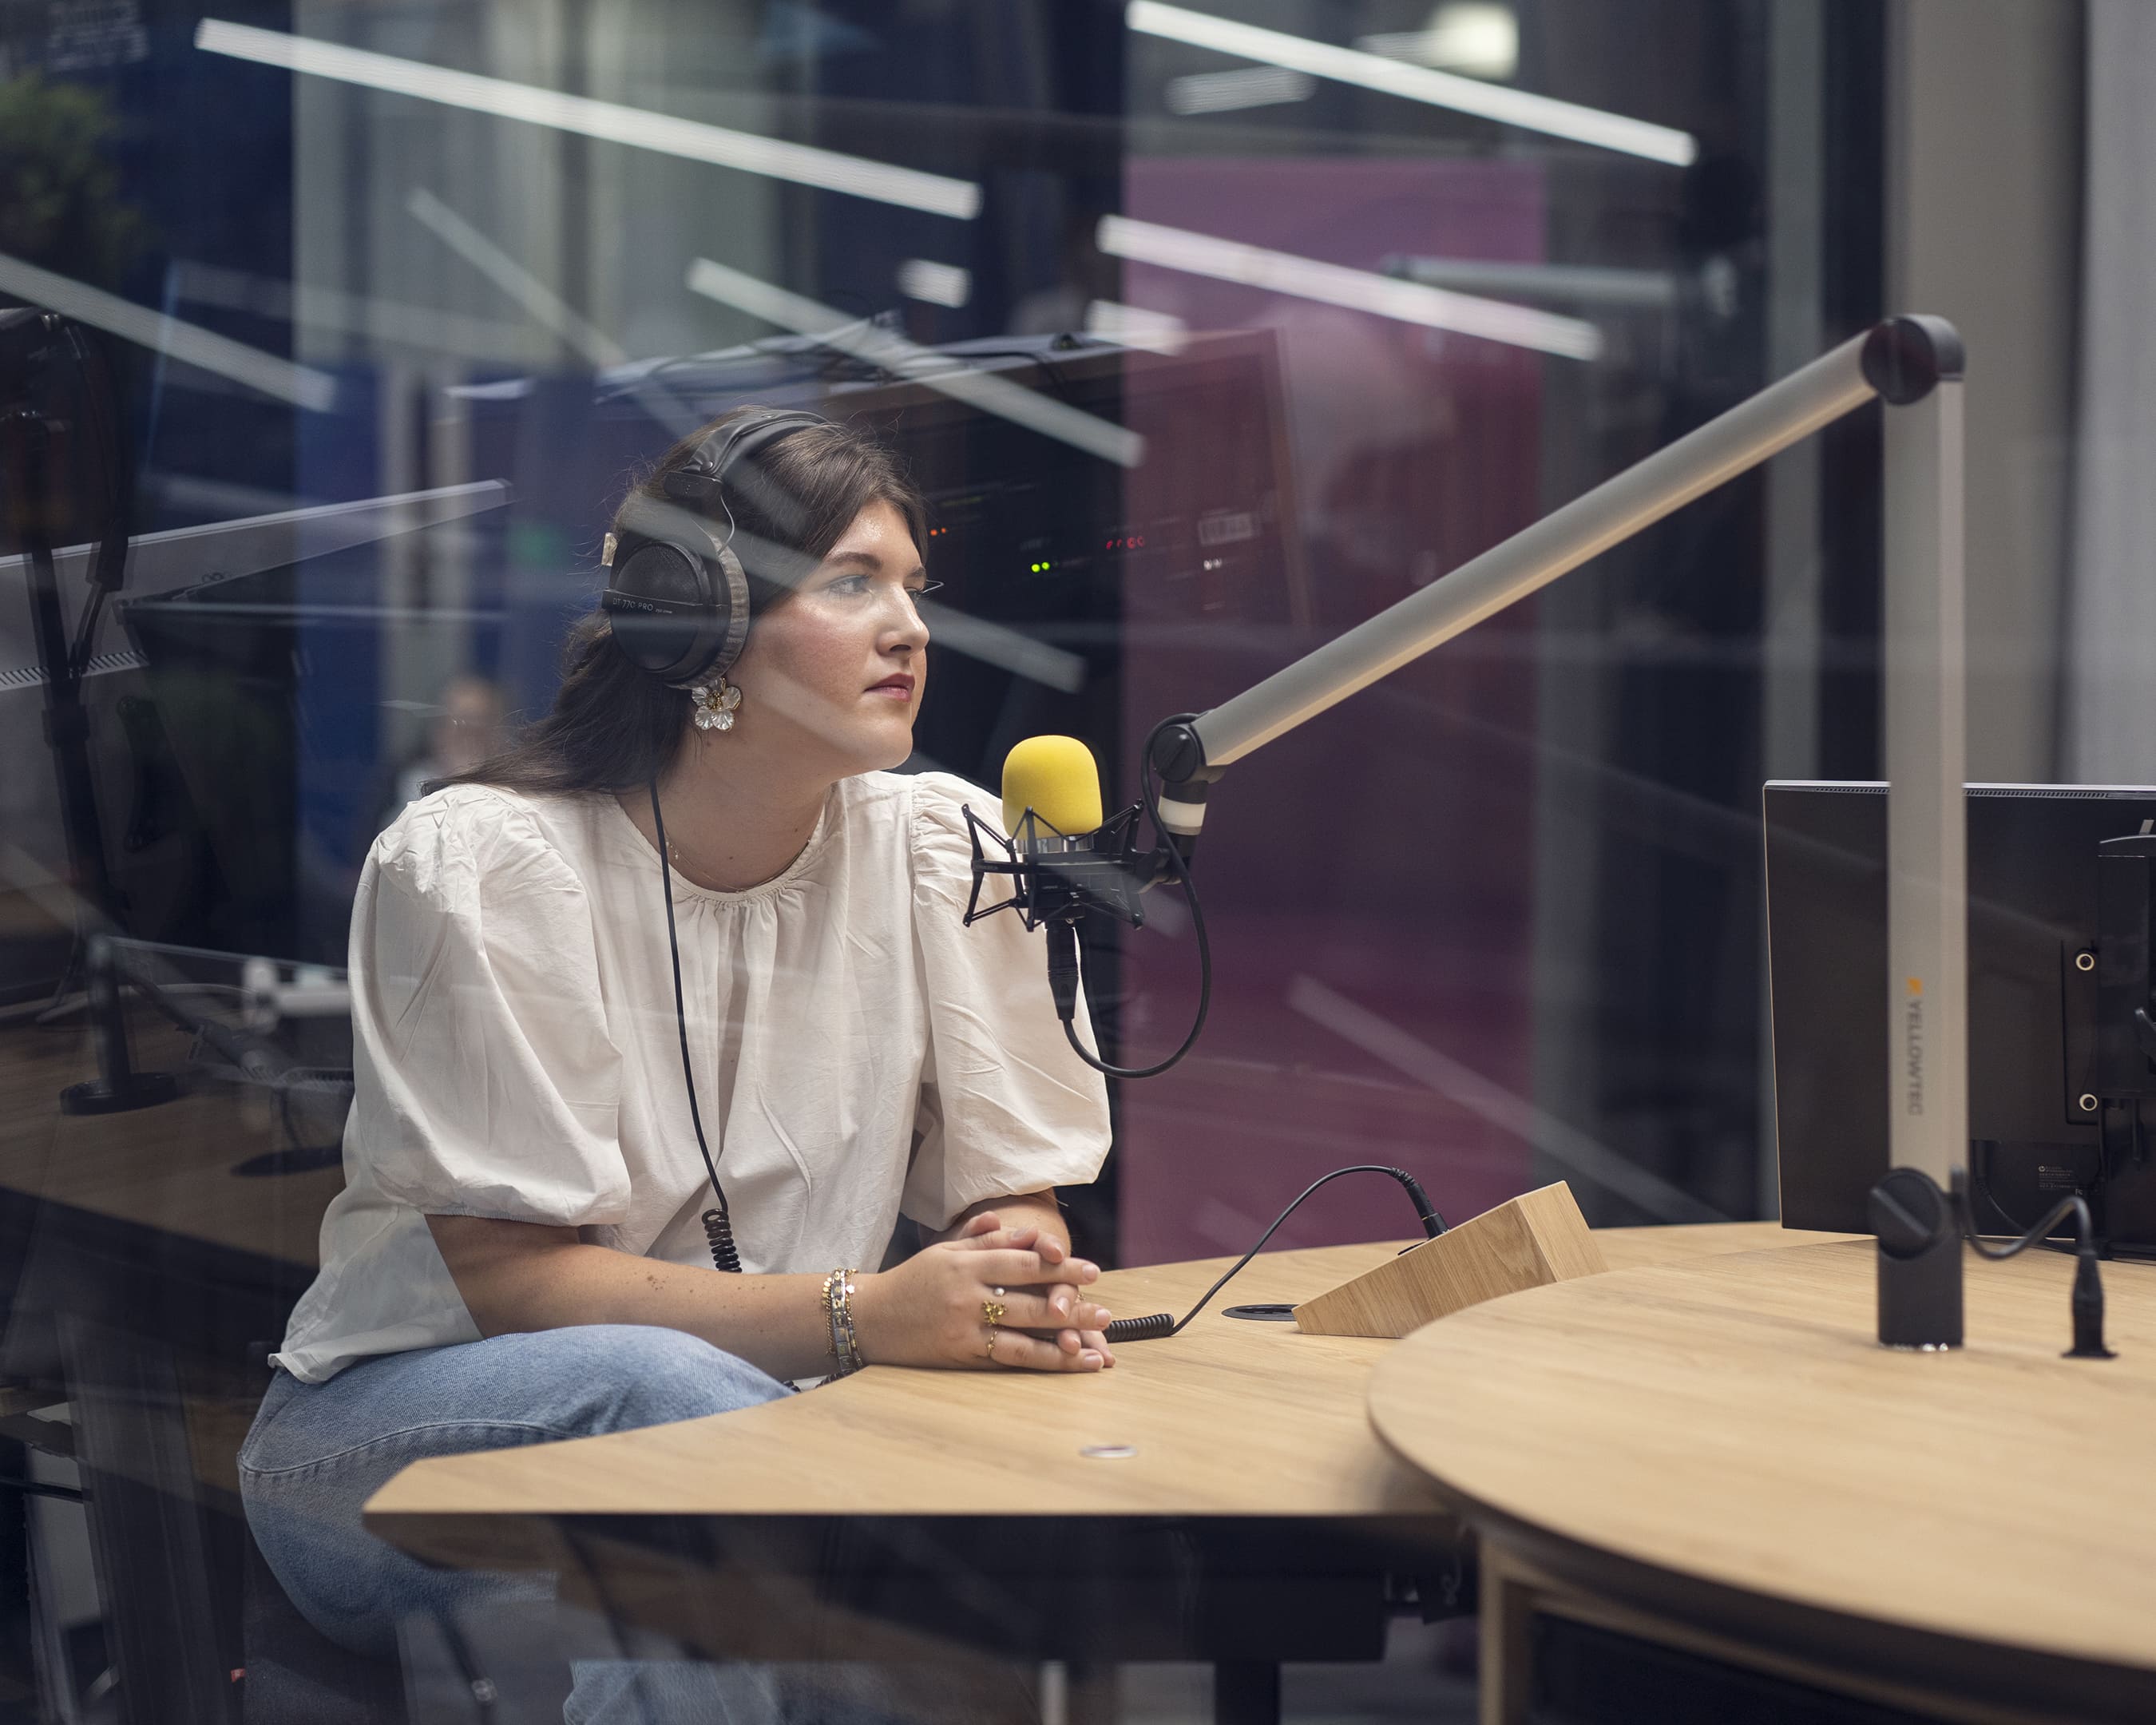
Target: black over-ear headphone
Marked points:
677	597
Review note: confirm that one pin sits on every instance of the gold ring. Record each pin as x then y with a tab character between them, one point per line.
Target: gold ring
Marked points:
993	1333
992	1311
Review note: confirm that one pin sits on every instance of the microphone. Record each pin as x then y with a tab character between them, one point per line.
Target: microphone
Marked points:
1065	862
1062	858
1055	778
1052	814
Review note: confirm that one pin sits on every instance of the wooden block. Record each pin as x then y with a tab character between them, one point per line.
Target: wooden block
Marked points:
1536	1238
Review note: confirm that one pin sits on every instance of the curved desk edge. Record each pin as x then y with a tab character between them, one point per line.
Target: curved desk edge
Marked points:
1529	1568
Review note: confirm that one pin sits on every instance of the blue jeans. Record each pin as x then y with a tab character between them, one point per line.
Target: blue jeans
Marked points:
318	1451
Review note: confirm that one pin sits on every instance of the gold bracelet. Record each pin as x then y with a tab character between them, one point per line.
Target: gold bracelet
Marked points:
839	1311
850	1352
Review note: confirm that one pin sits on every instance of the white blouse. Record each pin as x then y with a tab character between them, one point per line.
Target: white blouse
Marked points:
859	1053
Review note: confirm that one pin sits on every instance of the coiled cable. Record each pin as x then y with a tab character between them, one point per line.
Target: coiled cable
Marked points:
1160	1325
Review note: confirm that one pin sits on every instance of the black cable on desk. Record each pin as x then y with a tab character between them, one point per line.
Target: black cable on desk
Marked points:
1162	1324
2087	1303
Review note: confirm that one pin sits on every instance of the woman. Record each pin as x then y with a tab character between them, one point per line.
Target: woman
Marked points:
521	1251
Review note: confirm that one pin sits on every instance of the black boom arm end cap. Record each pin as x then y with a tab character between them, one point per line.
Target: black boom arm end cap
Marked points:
1906	357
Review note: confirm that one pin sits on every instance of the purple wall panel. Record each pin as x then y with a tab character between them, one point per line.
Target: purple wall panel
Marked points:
1385	851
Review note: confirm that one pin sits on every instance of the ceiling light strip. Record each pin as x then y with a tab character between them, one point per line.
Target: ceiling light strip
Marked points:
941	372
302	386
691	139
1420	84
548	308
1359	289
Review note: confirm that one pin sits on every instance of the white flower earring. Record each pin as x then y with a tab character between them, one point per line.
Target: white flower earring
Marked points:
715	702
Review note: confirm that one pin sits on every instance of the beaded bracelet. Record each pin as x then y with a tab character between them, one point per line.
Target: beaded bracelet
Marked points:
838	1310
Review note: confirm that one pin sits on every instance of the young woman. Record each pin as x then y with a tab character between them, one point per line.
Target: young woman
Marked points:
519	1254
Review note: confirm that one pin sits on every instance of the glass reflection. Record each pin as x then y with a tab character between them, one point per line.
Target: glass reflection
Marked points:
1202	334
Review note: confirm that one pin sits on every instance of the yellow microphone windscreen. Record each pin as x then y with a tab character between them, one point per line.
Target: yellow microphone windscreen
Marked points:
1056	778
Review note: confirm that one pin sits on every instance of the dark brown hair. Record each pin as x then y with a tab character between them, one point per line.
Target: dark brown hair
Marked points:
614	727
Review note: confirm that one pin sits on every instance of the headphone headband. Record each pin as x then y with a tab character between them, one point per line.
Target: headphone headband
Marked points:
702	481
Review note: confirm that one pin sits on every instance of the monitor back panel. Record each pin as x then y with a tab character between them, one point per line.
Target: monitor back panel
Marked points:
2032	884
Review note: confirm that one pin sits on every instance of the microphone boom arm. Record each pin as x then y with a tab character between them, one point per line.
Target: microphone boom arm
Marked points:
1914	364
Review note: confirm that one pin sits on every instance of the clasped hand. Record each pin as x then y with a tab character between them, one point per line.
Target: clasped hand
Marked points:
930	1310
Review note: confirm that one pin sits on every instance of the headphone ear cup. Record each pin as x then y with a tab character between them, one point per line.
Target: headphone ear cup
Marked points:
705	618
729	624
657	641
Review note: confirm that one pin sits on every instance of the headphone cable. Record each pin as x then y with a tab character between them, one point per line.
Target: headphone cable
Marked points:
718	1224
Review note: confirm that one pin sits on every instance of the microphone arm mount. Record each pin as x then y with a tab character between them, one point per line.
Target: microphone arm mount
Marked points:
1059	877
1912	364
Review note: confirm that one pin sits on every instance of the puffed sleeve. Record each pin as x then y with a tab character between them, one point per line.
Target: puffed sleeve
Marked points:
486	1084
1006	1107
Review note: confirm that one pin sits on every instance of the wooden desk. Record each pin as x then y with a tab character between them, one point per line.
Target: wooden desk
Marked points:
1250	1440
137	1272
1717	1456
167	1168
139	1222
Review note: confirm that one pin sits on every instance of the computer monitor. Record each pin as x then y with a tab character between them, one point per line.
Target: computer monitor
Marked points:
2036	1130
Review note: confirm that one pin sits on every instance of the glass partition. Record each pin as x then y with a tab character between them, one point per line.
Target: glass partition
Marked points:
1202	334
